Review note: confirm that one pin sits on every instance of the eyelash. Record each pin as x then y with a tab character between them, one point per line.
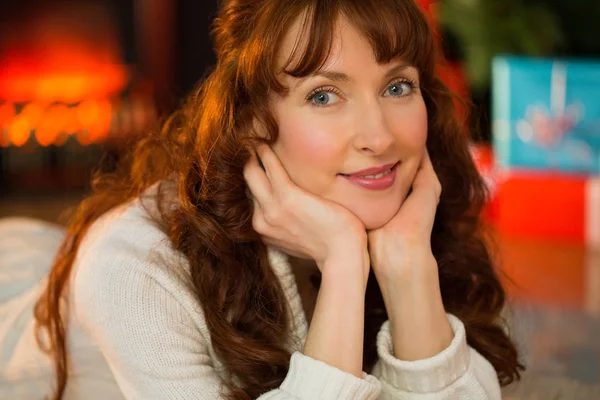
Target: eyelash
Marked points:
319	90
330	89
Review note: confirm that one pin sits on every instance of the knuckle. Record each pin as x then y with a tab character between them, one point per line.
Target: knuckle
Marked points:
246	174
272	215
259	224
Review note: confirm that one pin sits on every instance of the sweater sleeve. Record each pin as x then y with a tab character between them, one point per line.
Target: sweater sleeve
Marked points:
155	351
457	372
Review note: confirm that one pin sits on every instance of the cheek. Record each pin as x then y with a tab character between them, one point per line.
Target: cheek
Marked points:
309	151
306	144
410	128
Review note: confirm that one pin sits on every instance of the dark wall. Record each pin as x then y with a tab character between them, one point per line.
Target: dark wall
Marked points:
123	10
194	48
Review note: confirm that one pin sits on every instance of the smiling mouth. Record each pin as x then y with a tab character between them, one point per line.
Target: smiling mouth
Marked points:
381	175
372	176
379	182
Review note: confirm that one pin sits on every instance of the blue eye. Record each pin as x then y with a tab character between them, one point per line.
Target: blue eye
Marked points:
400	89
323	97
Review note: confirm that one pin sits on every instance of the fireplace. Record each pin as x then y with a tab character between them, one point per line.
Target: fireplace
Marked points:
71	89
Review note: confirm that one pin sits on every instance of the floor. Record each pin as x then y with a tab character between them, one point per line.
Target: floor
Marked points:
554	308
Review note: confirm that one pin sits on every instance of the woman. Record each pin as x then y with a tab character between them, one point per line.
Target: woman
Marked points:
319	146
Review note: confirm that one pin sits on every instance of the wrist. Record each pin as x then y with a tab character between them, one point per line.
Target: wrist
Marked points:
339	308
347	259
418	320
420	333
345	267
416	276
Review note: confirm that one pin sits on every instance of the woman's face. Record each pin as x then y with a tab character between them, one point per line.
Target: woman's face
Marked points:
352	115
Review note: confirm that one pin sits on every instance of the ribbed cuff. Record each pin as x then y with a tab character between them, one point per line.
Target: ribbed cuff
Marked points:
310	379
427	375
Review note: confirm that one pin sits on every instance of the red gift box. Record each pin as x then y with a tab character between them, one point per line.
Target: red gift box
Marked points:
546	233
550	206
542	205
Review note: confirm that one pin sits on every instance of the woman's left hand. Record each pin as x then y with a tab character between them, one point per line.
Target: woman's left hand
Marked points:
407	273
401	249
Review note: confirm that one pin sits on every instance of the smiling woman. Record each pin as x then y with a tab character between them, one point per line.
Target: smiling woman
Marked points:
323	141
354	117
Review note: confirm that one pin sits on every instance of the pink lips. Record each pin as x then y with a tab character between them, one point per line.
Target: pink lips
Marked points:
372	171
381	183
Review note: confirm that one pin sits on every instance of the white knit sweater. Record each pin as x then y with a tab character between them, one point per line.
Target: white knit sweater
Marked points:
137	332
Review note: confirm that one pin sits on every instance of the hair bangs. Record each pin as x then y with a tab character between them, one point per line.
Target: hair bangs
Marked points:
314	42
395	30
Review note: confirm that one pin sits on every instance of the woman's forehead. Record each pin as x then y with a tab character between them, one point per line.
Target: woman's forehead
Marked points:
296	42
348	47
314	41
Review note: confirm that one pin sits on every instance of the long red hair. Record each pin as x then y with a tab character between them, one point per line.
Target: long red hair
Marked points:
202	146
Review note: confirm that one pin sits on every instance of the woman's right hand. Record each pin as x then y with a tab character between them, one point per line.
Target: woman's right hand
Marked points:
298	222
308	226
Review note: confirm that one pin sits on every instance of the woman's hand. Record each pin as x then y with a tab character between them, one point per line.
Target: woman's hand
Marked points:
308	226
401	249
407	273
294	220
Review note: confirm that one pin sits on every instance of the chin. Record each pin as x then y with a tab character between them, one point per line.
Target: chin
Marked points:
372	223
372	219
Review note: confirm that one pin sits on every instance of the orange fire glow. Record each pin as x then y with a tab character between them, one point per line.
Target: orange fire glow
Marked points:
90	121
25	77
66	54
63	64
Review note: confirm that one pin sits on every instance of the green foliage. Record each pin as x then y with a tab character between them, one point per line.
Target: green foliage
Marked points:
485	28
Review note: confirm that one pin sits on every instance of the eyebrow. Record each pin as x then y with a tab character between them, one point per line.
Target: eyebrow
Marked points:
337	76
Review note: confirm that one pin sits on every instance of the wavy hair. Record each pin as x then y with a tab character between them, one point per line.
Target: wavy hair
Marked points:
203	147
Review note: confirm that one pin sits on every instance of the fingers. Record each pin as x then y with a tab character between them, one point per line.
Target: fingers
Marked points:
275	171
425	170
270	182
257	181
420	207
426	178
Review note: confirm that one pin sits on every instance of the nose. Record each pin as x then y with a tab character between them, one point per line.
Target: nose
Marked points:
373	133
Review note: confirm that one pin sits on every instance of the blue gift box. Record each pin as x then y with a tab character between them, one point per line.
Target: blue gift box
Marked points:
546	114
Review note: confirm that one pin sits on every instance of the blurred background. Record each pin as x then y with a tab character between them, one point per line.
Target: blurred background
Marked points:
80	80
